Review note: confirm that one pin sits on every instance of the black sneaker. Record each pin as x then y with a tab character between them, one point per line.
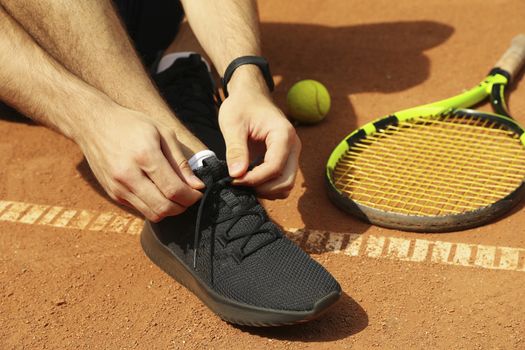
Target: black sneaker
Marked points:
189	90
228	252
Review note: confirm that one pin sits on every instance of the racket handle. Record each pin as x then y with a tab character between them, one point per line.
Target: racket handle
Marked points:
514	58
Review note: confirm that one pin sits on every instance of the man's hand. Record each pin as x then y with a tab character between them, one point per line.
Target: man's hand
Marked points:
248	118
229	29
139	162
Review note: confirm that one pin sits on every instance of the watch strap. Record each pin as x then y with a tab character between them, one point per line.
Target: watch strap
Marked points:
258	61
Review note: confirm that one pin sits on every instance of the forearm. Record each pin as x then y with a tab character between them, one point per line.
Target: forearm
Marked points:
226	30
86	37
101	55
35	84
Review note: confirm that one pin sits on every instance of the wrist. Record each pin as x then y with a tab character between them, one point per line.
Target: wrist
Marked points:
248	78
84	123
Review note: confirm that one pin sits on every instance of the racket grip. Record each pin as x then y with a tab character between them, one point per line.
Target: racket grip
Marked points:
514	58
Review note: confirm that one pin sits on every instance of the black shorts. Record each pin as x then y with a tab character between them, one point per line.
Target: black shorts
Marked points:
151	25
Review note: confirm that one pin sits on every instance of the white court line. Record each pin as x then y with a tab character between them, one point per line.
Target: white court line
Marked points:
354	244
101	221
485	256
509	258
462	255
350	244
374	246
398	248
441	252
334	243
421	247
33	214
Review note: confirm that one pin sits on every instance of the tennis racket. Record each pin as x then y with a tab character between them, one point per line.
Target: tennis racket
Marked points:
437	167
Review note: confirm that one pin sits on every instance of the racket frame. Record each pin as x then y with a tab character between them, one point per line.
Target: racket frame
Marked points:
494	86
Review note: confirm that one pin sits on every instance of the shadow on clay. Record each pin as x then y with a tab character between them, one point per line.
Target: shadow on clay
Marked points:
349	60
344	319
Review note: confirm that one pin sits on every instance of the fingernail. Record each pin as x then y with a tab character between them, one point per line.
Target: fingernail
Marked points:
236	168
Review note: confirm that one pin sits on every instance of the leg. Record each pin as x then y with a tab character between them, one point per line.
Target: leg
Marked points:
186	41
189	89
89	40
185	84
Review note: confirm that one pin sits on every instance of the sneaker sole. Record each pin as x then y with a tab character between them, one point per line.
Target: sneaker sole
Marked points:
229	310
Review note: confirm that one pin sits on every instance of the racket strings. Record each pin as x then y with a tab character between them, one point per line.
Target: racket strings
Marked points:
435	186
483	139
497	166
422	163
433	166
459	199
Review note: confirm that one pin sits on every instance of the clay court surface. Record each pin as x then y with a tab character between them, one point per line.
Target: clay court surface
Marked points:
73	275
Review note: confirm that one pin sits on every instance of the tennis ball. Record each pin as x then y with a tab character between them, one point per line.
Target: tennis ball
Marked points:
308	101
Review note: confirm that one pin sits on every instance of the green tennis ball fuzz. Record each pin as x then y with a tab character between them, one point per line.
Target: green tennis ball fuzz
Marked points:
308	101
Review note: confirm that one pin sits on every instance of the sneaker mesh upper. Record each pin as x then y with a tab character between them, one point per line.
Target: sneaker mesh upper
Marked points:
277	276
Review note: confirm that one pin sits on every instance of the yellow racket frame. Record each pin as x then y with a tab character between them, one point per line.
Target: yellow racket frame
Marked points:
493	85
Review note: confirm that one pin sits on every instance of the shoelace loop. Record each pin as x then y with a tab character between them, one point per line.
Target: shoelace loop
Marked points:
235	217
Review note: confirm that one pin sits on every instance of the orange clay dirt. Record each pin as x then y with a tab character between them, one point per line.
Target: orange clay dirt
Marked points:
64	286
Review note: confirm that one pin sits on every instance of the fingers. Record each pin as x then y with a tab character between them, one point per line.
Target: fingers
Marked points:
143	194
140	163
152	185
171	149
128	199
160	171
279	146
281	187
237	155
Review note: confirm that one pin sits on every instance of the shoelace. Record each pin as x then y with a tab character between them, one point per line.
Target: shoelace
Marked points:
235	217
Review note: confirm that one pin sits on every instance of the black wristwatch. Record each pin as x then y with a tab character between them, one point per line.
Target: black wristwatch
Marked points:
259	61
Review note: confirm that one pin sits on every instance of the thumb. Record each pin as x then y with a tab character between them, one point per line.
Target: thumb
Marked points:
237	156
